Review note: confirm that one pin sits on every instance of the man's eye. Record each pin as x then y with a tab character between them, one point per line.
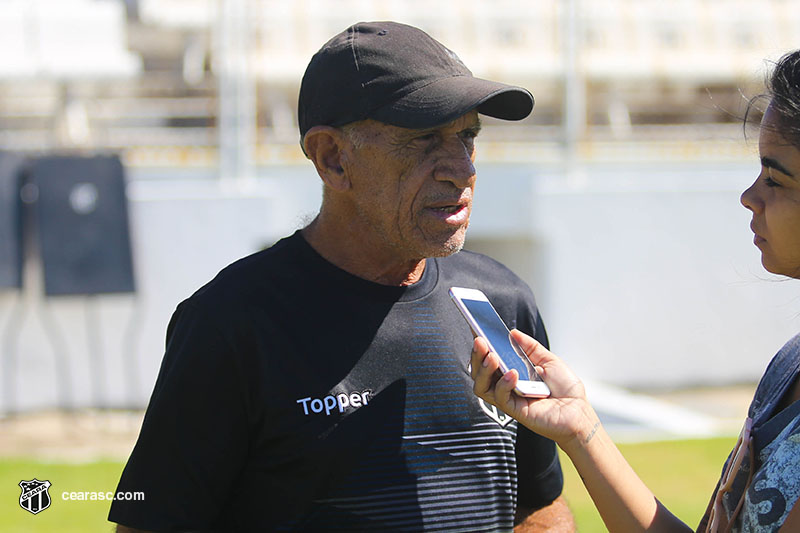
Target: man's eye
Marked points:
427	138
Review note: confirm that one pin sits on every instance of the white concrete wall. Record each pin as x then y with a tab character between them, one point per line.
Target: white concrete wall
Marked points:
647	275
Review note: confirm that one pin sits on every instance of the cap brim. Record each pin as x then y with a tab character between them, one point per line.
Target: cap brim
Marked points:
447	99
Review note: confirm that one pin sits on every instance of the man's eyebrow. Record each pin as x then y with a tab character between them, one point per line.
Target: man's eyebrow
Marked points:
474	127
768	162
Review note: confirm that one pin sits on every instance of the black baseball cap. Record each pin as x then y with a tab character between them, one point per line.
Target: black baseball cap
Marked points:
399	75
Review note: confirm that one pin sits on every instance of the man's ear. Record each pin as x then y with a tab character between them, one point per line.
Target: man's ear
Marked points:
324	147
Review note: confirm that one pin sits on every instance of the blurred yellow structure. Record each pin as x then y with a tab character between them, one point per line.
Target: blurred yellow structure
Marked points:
154	75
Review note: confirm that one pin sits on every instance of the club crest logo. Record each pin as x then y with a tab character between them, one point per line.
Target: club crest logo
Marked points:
34	497
495	414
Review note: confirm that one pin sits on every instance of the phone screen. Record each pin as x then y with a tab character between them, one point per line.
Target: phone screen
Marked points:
498	336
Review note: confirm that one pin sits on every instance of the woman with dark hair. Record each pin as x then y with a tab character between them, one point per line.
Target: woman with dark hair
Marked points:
760	483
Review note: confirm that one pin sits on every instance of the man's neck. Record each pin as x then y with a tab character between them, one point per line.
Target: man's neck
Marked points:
360	259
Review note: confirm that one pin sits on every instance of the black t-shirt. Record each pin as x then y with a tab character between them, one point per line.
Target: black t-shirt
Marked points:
296	396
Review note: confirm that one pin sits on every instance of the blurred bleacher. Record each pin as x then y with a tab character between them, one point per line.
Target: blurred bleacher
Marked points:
141	76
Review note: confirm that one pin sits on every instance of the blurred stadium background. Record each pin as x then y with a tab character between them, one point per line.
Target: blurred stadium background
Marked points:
617	200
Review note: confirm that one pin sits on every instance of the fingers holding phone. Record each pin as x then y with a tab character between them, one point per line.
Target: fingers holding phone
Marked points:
491	384
563	383
485	370
560	413
486	323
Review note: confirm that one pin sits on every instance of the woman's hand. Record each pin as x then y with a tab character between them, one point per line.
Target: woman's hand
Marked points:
562	417
624	502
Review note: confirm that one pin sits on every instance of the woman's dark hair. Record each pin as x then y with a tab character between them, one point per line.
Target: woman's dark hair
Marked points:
783	95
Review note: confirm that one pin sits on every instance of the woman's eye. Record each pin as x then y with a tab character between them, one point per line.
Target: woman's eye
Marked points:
768	181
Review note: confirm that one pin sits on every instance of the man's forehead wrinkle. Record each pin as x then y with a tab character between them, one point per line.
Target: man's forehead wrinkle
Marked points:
397	135
396	147
398	139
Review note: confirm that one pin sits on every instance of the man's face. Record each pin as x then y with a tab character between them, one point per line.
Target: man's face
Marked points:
412	189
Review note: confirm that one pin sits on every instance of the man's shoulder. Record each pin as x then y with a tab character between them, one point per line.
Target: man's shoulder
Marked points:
509	293
253	274
473	265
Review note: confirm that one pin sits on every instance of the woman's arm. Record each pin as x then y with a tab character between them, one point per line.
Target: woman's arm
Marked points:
622	499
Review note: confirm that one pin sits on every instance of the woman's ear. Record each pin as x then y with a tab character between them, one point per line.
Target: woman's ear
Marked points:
324	146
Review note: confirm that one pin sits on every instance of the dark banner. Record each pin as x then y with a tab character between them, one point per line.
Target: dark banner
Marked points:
83	229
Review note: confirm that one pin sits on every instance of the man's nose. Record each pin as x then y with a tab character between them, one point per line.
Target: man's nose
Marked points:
456	164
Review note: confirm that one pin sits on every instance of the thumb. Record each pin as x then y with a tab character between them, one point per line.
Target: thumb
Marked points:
535	351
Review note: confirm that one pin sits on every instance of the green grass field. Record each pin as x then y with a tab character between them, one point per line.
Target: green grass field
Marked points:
681	473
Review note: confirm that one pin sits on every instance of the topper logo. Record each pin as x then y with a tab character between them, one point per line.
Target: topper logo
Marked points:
329	403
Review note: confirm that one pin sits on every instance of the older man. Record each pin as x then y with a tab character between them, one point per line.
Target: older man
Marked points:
322	384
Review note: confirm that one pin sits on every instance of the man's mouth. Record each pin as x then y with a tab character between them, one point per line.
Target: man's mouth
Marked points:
450	209
453	214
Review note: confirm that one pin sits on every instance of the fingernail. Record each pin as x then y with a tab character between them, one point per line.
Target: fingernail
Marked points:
485	362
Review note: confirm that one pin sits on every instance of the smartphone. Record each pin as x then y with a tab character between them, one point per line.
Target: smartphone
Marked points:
485	322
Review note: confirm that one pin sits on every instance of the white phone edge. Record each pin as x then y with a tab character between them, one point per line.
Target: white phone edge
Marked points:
524	387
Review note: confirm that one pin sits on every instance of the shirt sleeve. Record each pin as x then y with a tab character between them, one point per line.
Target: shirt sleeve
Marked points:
540	479
193	440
